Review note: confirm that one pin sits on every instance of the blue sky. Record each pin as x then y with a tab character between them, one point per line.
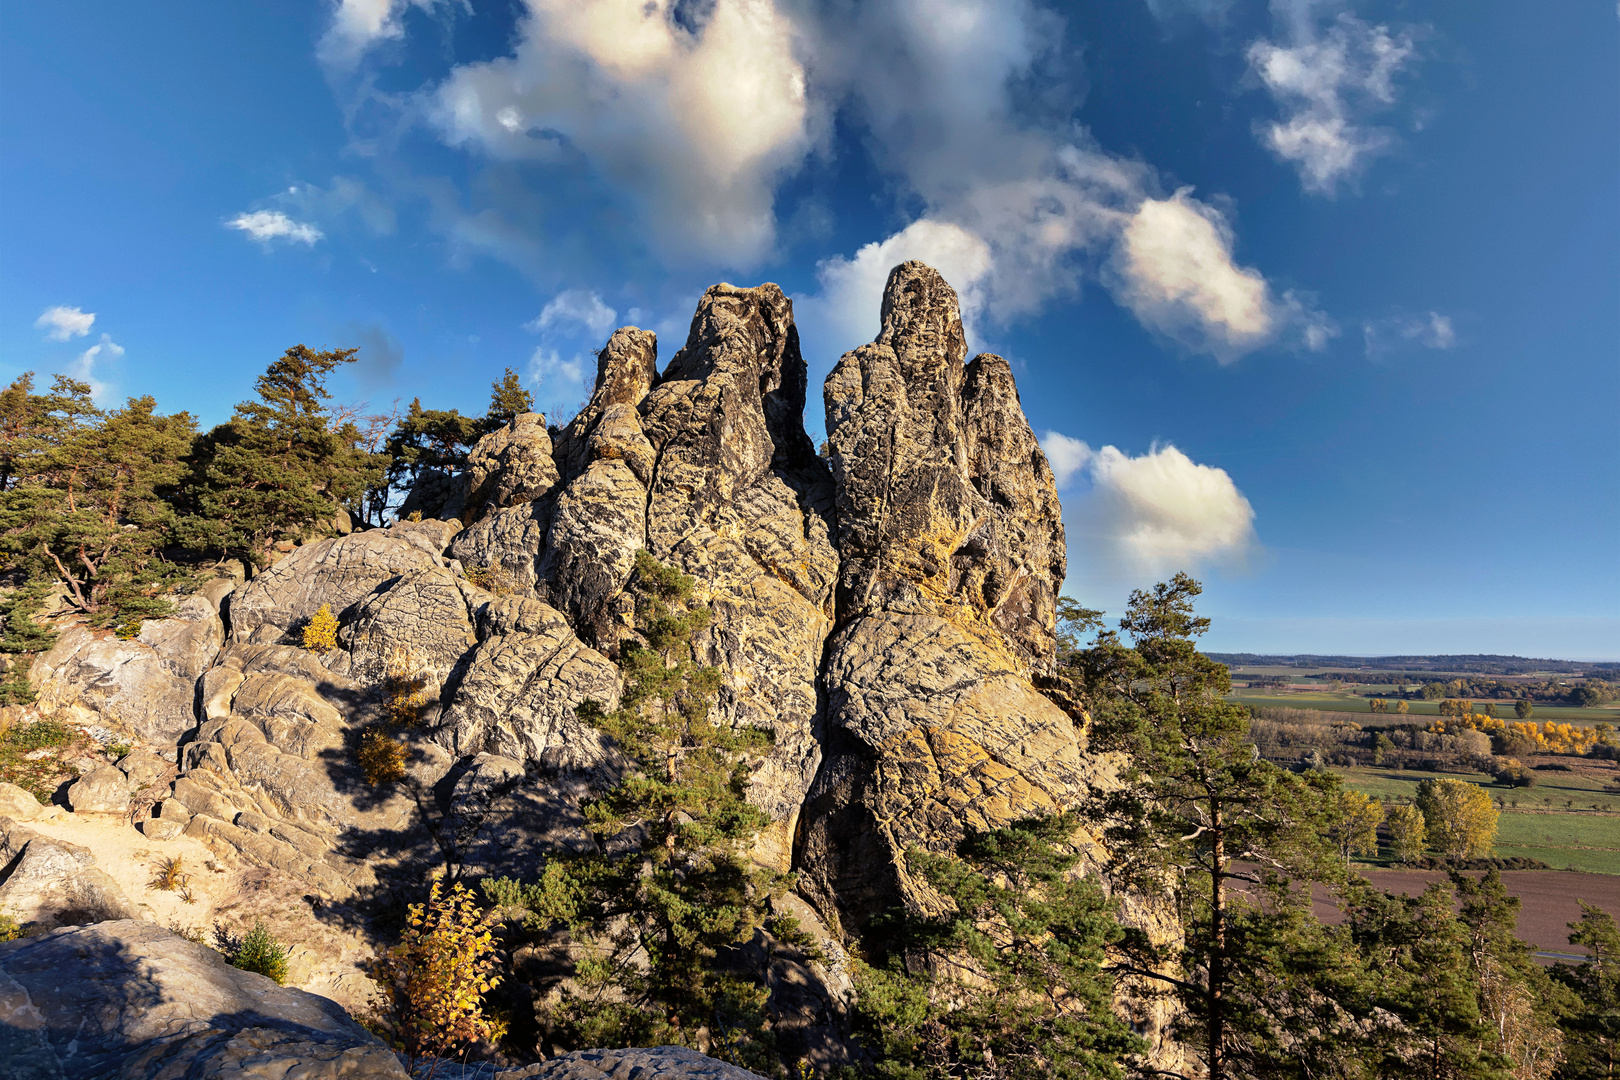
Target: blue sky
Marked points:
1318	301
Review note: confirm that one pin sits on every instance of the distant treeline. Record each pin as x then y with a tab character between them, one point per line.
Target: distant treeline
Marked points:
1470	664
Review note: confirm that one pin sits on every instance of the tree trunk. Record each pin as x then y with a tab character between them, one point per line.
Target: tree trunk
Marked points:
1217	956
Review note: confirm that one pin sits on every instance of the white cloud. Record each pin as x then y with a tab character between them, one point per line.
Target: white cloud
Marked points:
847	310
357	25
558	381
1145	517
1430	330
575	306
1066	455
61	323
83	367
267	225
1327	87
695	122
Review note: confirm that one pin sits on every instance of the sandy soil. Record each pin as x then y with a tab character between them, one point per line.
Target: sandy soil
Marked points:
327	947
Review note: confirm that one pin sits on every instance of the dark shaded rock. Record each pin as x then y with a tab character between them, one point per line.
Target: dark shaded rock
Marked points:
131	1000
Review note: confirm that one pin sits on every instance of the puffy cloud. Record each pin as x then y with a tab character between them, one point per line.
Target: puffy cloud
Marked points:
693	115
558	381
267	225
1066	455
61	323
1148	516
1327	86
83	367
1430	330
575	306
847	310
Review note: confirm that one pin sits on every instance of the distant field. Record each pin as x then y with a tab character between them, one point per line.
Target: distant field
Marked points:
1575	837
1589	842
1329	701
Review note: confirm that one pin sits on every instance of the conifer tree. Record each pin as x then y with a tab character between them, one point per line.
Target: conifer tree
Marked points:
507	399
85	497
1199	810
280	464
1591	1025
1034	934
675	885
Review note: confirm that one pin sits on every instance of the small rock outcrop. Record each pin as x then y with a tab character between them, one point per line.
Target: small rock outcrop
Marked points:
51	882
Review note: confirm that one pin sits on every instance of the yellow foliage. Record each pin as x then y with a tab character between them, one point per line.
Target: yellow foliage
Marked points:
320	633
1408	835
382	758
432	983
1356	830
404	689
1460	819
1548	737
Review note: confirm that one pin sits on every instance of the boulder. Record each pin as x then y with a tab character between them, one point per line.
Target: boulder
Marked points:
129	999
187	643
414	628
17	803
146	771
510	466
102	791
520	689
95	677
336	572
54	883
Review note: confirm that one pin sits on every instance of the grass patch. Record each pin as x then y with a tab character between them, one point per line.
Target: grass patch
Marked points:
1589	842
1553	790
42	773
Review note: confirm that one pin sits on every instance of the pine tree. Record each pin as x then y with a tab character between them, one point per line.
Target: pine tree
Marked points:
279	465
85	500
507	399
1199	809
681	890
1592	1025
1038	1004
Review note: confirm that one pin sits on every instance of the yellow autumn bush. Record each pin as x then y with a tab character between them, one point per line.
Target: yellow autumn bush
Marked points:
432	984
320	633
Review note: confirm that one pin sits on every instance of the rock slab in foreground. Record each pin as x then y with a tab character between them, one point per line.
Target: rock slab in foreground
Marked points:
131	1000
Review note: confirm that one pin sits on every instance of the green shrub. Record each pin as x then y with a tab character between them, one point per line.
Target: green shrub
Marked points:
262	954
39	735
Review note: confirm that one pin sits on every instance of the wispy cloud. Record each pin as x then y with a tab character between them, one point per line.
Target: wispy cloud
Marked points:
572	326
61	323
1328	84
269	225
1136	519
1428	330
578	306
85	368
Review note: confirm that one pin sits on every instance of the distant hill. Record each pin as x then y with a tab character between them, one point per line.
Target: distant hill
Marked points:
1471	664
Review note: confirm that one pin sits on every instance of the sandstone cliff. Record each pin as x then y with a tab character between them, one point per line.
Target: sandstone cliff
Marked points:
885	612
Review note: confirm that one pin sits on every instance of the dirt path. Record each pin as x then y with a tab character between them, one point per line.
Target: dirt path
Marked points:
325	955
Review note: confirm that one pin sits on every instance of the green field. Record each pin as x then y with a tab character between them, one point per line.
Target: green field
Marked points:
1589	842
1573	837
1331	701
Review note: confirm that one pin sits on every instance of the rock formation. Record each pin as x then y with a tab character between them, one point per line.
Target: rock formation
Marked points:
886	613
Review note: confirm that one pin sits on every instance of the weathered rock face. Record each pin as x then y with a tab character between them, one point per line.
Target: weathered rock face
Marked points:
52	882
510	466
950	561
129	999
145	686
335	572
